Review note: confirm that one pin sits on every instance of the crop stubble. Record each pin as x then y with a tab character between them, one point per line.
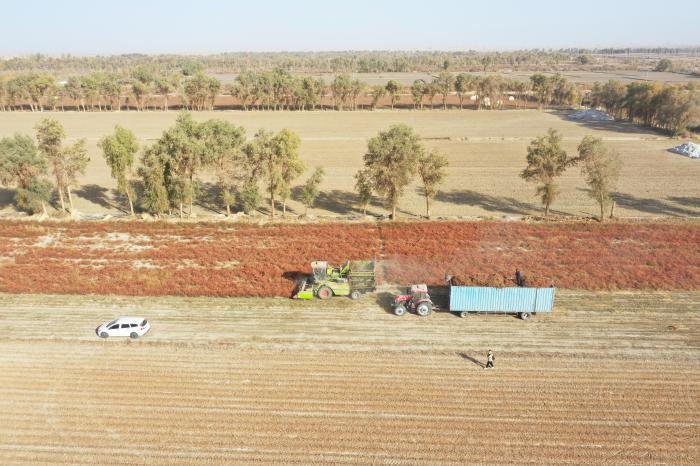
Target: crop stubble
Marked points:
267	381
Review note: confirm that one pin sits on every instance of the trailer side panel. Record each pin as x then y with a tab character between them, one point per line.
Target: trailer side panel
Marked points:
489	299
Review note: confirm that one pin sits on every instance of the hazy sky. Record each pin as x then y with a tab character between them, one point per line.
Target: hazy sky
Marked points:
208	26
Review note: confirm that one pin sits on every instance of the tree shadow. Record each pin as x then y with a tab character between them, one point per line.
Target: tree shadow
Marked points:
506	205
469	358
7	197
210	197
346	202
657	206
97	195
620	126
687	201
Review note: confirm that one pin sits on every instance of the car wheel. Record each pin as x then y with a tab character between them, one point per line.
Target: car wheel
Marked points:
134	335
104	334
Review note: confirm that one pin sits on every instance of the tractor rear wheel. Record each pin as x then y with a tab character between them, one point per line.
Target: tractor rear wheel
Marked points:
355	295
324	292
424	309
400	310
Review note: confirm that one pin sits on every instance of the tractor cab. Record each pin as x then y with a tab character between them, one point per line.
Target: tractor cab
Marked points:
416	299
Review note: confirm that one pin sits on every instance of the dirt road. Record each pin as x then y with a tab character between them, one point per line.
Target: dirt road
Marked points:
609	378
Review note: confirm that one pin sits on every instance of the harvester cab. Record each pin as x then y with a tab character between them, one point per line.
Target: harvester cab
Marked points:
351	279
416	299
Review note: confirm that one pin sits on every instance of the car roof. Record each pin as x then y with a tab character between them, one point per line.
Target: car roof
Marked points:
129	319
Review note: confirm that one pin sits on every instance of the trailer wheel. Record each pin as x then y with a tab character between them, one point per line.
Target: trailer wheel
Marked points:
400	310
424	309
524	315
355	295
464	314
324	292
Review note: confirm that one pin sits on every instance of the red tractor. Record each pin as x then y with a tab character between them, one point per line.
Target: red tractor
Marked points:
416	299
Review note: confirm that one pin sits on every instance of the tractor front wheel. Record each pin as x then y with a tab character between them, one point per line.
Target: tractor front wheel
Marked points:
400	310
424	309
324	292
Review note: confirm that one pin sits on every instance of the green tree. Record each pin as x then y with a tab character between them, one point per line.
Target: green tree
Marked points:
378	91
310	191
250	197
223	142
444	82
140	90
286	147
418	90
119	150
432	171
341	87
664	65
542	87
50	135
166	85
364	187
23	166
186	151
34	196
391	161
357	87
392	88
463	83
75	159
431	90
546	160
601	169
244	88
155	198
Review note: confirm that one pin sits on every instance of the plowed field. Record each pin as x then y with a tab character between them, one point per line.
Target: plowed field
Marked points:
608	379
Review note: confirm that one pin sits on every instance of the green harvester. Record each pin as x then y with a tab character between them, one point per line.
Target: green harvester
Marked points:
352	279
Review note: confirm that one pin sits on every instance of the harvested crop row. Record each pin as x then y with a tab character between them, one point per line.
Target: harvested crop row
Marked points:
245	260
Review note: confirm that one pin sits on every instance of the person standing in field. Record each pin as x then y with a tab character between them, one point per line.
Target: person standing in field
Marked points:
489	360
518	278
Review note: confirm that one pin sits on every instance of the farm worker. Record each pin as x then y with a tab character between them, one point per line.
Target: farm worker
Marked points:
518	278
489	360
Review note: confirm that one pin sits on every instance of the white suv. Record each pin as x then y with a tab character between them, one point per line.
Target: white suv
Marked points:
133	327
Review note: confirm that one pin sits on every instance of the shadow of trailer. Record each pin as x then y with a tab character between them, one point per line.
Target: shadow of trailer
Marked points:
521	301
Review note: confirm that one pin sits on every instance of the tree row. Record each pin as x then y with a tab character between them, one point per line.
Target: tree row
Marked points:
168	178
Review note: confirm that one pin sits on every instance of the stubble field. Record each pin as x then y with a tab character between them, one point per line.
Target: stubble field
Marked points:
608	379
486	150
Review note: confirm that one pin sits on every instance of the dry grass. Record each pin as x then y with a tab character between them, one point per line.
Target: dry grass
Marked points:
486	151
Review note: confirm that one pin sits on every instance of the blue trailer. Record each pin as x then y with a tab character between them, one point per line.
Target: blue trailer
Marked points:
510	300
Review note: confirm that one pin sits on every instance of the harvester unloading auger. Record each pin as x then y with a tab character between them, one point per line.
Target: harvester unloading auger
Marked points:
352	279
